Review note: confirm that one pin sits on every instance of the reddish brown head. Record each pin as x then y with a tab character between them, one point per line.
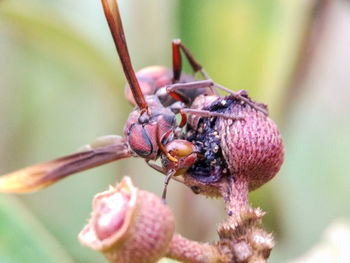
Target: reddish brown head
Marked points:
142	137
184	154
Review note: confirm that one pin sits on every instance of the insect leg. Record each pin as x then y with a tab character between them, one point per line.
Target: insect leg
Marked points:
166	182
172	90
177	62
208	114
239	95
177	45
160	169
156	167
183	119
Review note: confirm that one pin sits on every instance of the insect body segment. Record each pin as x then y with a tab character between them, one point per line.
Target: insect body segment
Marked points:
153	80
142	137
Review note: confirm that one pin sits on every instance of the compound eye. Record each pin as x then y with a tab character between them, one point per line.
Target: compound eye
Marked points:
180	148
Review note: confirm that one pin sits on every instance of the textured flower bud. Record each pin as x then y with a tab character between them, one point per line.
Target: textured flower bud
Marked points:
246	146
253	146
129	225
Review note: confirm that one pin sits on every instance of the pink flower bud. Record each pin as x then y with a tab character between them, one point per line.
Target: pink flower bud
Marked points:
252	147
129	225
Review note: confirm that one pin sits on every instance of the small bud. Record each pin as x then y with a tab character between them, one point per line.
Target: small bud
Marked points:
253	146
129	225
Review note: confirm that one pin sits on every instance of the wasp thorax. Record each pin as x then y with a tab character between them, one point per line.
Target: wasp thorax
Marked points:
129	225
150	79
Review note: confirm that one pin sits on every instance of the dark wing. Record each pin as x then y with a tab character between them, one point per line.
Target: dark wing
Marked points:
111	10
41	175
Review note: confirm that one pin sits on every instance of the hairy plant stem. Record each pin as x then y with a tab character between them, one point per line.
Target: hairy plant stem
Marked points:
235	194
242	238
189	251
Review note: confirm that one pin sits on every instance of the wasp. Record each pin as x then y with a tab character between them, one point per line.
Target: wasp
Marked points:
151	131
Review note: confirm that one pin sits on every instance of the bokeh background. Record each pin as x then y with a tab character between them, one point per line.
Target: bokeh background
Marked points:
61	86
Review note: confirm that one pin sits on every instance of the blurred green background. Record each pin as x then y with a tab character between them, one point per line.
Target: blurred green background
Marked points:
61	86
